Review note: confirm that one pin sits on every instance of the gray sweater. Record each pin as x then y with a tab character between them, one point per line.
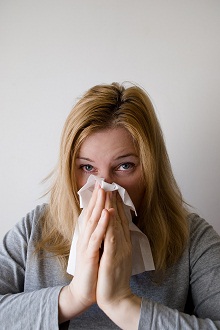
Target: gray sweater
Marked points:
188	298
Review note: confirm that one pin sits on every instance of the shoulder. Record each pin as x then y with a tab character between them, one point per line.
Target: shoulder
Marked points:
28	226
204	240
19	241
199	228
32	218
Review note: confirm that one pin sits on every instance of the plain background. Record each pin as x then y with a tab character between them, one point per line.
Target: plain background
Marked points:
52	51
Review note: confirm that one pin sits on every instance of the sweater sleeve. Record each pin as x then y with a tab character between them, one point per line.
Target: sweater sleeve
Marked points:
204	282
18	309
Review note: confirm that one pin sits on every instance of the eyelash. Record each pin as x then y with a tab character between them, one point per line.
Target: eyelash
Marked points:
83	167
131	166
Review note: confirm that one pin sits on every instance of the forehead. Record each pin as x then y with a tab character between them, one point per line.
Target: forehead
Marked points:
111	140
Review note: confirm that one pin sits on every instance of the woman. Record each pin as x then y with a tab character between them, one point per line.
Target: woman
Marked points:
112	133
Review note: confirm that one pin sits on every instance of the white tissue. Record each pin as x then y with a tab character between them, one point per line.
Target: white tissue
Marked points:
142	259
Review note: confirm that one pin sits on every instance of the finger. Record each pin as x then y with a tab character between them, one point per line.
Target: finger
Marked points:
99	233
120	215
123	217
110	240
95	216
88	210
108	201
93	199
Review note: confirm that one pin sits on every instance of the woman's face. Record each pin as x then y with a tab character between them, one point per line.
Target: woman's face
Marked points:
110	154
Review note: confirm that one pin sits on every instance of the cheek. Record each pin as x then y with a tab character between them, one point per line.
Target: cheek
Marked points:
80	179
136	192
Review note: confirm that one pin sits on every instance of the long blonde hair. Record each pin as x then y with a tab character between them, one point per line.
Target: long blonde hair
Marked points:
162	216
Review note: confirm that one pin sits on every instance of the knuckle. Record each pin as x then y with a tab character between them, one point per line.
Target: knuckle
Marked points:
112	239
94	238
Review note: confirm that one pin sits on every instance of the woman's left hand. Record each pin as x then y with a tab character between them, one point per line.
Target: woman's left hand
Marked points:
113	292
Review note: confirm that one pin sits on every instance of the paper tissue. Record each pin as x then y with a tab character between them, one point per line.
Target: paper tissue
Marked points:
142	259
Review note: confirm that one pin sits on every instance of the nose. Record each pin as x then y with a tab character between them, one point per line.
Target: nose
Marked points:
107	176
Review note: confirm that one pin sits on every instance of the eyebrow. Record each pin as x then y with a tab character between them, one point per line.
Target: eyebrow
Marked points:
85	158
117	158
126	155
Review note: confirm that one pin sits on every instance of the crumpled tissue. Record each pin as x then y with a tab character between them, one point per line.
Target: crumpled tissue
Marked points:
142	259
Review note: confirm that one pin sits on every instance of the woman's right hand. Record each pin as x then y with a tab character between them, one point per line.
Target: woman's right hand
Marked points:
81	292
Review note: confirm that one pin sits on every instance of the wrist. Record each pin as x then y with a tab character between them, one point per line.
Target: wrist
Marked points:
124	312
68	305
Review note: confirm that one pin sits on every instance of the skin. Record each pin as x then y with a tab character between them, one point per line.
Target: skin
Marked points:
109	154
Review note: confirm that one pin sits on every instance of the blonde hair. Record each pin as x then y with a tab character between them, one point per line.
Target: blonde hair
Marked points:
162	215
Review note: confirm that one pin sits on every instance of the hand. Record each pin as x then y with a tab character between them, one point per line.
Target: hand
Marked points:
114	295
81	292
115	264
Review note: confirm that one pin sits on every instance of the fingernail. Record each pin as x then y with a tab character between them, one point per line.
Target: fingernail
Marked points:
97	185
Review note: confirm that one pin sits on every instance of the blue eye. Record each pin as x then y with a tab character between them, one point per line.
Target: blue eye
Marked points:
87	167
126	166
